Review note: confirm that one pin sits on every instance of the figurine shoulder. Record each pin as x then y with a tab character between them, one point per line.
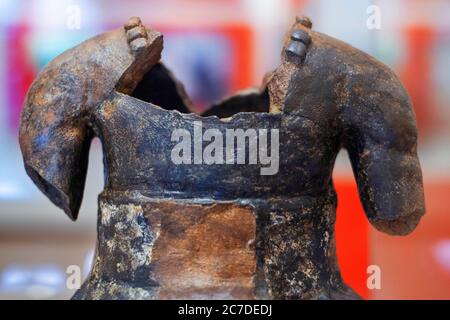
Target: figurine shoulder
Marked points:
374	101
55	129
344	89
82	77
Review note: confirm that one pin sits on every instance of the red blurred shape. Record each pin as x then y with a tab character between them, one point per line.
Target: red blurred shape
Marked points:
352	241
416	266
416	74
20	72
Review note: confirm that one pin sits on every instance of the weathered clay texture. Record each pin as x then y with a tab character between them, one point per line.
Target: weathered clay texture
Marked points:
180	250
168	231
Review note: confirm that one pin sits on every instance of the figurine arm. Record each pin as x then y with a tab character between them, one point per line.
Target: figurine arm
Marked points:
55	131
55	144
381	137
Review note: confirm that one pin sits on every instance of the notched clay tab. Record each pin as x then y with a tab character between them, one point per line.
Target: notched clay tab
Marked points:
132	22
296	48
300	35
138	45
304	21
137	35
136	32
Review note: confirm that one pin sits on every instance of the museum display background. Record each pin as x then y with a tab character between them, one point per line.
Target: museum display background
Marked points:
216	48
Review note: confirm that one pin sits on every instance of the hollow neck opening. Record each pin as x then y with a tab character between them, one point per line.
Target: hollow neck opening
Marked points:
159	87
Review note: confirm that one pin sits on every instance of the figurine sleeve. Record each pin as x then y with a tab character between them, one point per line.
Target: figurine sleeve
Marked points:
55	138
381	137
56	124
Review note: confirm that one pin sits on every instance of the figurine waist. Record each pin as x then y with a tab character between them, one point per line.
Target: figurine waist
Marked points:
204	248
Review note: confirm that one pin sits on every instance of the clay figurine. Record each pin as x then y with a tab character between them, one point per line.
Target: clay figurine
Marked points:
187	214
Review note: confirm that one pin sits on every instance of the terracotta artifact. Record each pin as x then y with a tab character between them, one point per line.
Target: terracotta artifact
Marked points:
172	224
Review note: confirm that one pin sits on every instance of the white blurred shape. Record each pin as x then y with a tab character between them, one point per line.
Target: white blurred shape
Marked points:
14	276
9	11
48	275
36	291
441	253
267	12
48	13
88	261
54	14
10	190
36	282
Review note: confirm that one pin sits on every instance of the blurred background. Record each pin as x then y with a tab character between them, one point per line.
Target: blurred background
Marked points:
217	47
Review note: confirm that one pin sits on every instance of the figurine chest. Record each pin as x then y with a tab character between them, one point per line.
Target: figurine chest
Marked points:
249	155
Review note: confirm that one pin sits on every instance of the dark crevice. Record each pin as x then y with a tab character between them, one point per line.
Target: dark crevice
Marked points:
160	88
252	101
